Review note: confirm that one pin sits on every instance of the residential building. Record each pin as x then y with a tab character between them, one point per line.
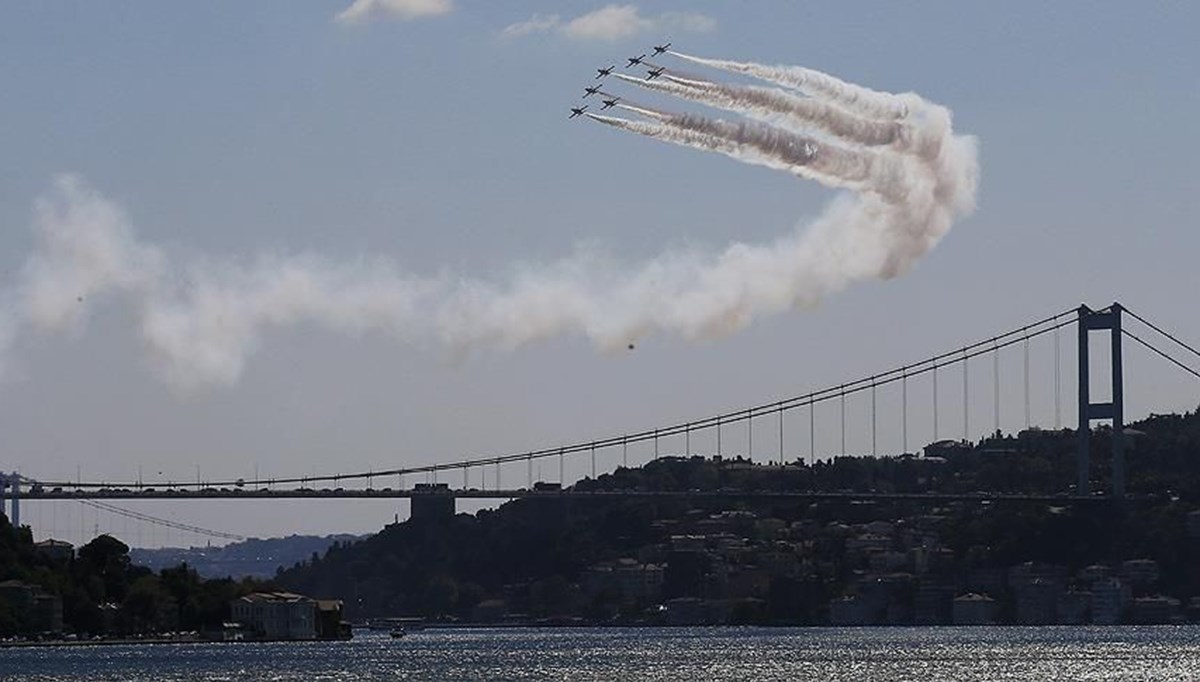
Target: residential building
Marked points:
57	550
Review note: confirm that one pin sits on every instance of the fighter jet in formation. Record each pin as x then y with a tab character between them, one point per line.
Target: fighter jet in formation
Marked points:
610	101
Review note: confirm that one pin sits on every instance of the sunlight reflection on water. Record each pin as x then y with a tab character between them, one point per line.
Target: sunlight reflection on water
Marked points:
854	654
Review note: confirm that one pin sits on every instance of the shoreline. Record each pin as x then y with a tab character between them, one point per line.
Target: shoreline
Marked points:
126	641
500	626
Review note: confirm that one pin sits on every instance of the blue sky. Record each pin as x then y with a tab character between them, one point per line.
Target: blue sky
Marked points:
425	135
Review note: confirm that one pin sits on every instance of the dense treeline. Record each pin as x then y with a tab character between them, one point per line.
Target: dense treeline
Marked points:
102	592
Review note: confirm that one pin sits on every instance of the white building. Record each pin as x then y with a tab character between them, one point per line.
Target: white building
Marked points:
277	615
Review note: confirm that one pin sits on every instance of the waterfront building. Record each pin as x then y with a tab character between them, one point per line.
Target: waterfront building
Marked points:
1090	574
1139	573
277	615
933	603
1109	597
627	579
848	611
974	609
1073	607
1156	610
1037	602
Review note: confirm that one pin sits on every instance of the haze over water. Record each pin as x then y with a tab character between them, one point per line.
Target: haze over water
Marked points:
974	653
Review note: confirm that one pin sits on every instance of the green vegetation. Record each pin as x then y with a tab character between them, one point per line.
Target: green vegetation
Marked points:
101	592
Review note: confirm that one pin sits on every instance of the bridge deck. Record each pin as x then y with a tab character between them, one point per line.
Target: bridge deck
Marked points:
387	493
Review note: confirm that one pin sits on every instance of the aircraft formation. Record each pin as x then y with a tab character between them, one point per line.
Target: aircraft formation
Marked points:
609	100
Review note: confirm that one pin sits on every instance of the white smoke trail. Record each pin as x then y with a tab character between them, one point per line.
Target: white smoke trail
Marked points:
202	320
772	106
913	191
756	145
644	111
864	101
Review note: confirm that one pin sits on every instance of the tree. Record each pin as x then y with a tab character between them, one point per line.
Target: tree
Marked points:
149	607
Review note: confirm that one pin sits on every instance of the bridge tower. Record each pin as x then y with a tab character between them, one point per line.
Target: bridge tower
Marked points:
12	483
1108	320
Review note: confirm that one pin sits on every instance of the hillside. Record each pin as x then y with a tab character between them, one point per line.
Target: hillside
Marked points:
254	558
789	562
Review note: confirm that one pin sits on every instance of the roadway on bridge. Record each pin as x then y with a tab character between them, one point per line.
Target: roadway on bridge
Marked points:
525	493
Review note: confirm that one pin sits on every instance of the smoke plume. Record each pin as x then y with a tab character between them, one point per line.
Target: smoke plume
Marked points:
855	98
202	319
776	106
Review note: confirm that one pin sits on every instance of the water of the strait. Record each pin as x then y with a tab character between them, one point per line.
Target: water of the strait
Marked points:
708	654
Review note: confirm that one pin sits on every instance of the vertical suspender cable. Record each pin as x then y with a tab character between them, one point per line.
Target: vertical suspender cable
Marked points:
1027	382
966	402
812	431
874	432
843	398
996	384
1057	384
749	435
935	402
904	409
781	434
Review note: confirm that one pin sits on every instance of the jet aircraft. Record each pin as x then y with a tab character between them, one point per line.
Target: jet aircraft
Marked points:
659	49
634	61
587	92
609	103
655	73
601	73
577	111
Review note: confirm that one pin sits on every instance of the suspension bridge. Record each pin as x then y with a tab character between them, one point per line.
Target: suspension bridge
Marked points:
766	431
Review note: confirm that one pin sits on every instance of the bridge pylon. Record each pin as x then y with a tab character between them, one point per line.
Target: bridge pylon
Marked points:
12	484
1108	320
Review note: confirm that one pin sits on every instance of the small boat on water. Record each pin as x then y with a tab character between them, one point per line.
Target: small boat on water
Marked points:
397	632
